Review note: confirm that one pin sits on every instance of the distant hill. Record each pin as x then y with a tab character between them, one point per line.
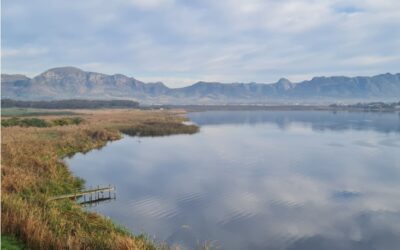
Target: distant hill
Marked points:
74	83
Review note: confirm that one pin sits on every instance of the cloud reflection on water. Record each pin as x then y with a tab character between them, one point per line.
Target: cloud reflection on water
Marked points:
254	185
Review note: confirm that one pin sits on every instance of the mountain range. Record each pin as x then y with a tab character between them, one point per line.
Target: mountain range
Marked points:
73	83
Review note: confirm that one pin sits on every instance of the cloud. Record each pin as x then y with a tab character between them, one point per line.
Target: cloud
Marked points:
370	60
182	41
23	52
150	4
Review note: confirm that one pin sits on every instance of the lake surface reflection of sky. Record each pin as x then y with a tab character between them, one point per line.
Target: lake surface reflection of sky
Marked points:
259	180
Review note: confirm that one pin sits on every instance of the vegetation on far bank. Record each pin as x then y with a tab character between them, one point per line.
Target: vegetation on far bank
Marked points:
40	123
69	104
32	172
370	106
19	112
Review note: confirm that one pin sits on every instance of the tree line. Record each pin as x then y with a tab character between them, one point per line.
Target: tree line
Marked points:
70	104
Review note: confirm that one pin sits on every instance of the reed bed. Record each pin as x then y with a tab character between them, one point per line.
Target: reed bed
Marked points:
32	171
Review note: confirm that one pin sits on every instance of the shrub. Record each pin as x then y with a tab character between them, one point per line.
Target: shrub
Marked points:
28	122
40	123
10	122
33	122
67	121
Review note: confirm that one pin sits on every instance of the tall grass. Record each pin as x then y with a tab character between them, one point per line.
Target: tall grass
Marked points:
32	172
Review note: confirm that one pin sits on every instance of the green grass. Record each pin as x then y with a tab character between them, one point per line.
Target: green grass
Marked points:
67	121
6	112
10	243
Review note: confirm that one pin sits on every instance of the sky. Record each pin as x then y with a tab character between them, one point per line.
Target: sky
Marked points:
180	42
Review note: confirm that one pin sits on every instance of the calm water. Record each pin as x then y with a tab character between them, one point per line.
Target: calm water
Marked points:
259	180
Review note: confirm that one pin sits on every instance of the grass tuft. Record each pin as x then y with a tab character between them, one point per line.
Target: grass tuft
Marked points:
10	243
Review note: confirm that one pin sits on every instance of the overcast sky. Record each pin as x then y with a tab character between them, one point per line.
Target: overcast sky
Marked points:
181	42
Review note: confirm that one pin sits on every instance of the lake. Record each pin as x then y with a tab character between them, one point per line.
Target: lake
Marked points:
258	180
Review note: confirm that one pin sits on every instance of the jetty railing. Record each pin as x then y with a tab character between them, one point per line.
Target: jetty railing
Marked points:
91	195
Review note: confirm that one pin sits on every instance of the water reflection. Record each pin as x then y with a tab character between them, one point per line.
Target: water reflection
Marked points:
325	181
318	120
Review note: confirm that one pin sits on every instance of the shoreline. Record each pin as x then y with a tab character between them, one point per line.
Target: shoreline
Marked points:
32	173
332	107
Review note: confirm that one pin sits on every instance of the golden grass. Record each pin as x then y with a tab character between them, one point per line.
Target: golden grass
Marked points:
32	172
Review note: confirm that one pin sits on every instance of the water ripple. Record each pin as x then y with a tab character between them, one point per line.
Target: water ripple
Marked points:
237	216
286	203
154	207
189	197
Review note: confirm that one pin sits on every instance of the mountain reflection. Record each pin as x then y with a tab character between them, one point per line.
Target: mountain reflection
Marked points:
316	181
317	120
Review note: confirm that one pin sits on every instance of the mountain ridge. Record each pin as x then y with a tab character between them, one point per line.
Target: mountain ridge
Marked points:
71	82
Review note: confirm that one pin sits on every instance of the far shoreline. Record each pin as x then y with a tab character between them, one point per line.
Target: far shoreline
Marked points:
367	107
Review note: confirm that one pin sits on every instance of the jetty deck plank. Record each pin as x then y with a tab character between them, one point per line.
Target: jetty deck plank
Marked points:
82	193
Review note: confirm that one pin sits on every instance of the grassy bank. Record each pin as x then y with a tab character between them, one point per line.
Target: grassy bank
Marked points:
32	172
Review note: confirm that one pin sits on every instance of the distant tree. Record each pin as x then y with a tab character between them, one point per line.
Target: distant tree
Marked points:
70	104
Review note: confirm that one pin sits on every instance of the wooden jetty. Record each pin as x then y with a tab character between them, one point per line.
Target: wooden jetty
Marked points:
91	195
